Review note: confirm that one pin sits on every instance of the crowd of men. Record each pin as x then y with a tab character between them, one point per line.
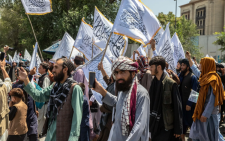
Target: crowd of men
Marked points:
144	100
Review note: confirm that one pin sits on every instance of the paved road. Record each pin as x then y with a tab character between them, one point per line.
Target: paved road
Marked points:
222	128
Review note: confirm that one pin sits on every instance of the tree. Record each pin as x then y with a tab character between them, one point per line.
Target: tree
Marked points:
220	40
185	29
66	17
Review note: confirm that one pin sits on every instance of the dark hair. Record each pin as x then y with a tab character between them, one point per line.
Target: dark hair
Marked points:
17	92
218	65
45	66
82	86
67	64
158	60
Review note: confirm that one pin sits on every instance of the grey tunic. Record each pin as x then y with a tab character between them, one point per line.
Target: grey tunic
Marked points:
140	130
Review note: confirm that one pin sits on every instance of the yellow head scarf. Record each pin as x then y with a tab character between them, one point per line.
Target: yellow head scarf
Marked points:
208	77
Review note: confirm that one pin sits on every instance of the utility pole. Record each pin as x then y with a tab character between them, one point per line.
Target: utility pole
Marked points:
176	15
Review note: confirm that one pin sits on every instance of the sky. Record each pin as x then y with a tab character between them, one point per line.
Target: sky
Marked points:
164	6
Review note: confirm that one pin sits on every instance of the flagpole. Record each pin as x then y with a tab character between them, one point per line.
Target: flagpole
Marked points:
35	36
92	49
71	52
106	46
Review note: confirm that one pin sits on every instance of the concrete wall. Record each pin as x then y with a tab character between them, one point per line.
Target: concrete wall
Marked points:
206	42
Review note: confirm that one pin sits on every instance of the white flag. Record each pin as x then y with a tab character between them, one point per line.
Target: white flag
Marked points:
157	38
178	49
101	29
65	48
10	58
16	57
37	7
84	41
92	65
136	21
141	50
166	49
34	58
27	55
38	62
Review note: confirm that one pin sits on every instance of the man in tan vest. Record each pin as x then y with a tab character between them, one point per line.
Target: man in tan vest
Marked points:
5	87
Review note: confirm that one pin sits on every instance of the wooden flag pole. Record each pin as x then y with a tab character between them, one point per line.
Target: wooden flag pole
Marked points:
71	52
92	49
35	36
106	46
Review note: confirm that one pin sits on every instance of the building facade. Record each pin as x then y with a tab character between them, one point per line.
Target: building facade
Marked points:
208	15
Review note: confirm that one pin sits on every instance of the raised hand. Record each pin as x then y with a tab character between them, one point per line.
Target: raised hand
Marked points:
2	64
33	71
98	88
100	66
22	74
152	42
6	48
188	55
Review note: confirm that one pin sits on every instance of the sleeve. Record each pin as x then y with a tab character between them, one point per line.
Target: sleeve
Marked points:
12	113
79	76
141	118
8	84
38	95
155	53
106	79
110	99
177	107
77	105
46	82
195	70
210	106
195	83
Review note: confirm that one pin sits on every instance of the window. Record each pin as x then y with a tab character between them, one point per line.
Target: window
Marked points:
201	32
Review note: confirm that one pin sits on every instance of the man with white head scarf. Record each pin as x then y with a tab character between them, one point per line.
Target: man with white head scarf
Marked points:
131	103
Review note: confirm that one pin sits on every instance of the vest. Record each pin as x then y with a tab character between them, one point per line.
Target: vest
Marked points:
41	80
18	126
4	110
167	105
64	118
186	88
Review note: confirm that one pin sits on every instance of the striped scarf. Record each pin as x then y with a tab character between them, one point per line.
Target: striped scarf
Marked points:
57	98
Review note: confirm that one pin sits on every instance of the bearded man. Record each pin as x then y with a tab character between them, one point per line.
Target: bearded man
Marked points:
188	82
166	108
131	103
178	69
64	112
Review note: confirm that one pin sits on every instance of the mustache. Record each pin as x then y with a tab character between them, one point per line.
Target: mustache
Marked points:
120	79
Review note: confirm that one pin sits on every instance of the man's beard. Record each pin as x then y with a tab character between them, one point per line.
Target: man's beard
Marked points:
184	71
125	86
178	70
59	77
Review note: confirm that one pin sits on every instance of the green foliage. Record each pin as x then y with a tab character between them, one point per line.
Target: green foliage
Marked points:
185	29
15	29
220	40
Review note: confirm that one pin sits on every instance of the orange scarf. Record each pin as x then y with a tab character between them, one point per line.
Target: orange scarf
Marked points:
208	77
